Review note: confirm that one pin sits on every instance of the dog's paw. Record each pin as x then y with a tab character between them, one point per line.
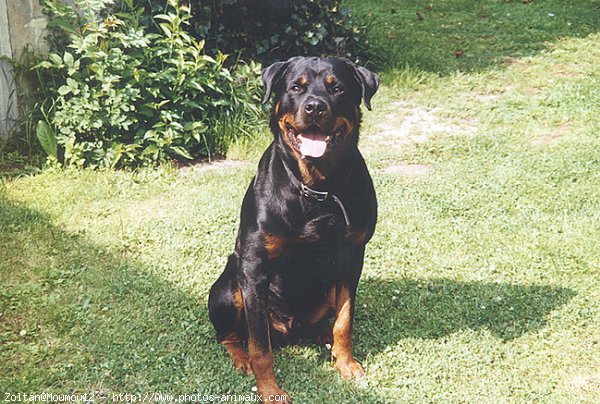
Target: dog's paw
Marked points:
239	357
350	369
242	363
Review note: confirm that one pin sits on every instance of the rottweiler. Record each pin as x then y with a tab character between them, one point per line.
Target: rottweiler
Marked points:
305	221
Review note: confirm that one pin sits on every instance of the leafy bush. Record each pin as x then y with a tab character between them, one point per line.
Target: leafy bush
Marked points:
124	96
268	30
129	82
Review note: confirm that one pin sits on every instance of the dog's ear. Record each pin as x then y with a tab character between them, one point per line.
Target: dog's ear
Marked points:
270	76
369	83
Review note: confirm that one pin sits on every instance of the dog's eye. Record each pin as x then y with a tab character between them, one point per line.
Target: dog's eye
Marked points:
296	88
338	89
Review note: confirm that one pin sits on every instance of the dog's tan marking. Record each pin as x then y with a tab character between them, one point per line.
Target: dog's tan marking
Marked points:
238	301
273	244
239	356
277	107
357	237
342	337
341	121
310	173
262	366
278	325
342	327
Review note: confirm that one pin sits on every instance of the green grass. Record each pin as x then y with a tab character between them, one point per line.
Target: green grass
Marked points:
481	283
484	32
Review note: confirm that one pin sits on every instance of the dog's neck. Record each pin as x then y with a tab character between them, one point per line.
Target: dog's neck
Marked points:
318	174
313	173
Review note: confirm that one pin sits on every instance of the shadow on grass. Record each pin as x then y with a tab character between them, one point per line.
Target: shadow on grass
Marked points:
438	307
77	317
444	37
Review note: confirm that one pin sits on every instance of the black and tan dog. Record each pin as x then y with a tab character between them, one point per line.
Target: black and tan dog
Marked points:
306	218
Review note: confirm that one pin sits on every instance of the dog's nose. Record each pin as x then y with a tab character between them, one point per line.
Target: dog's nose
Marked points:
315	107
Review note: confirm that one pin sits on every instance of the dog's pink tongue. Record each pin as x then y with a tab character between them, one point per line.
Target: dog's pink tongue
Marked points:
312	144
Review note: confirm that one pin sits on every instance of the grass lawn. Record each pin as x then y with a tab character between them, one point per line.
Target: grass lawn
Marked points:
482	283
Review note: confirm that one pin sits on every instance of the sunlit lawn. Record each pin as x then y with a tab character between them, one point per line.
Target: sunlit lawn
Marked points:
481	283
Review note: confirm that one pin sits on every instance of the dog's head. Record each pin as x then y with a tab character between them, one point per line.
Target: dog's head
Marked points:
317	104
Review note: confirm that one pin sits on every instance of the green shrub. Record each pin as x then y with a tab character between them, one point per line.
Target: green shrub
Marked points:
129	82
268	30
125	97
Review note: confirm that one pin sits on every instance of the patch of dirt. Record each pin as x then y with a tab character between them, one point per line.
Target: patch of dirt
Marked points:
409	125
531	91
509	60
589	382
213	165
566	70
485	98
408	170
552	136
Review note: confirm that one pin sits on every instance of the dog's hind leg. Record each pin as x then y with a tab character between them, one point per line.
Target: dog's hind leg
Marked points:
226	312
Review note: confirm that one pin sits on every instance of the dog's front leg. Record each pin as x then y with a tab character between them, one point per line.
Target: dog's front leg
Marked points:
350	263
255	286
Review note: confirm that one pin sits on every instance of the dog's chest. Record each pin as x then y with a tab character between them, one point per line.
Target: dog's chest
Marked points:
306	271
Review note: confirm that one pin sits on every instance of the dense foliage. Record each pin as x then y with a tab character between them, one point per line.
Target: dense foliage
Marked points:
268	30
124	96
136	82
